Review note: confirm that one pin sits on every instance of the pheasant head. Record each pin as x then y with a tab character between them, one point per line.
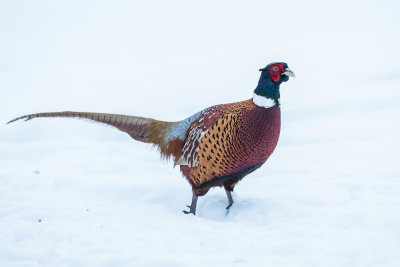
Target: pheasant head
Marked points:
272	76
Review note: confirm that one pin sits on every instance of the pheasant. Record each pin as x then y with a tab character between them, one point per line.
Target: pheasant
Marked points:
217	146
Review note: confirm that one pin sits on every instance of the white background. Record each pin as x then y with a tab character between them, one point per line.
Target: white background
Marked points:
74	193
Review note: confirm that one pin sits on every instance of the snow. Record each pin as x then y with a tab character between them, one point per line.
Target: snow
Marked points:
74	193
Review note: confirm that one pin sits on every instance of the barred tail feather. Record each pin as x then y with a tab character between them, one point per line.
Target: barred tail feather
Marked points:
136	127
141	129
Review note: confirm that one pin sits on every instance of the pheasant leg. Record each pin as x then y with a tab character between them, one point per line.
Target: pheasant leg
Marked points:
192	207
229	195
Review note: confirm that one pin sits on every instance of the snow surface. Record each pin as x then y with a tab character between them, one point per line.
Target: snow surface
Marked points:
74	193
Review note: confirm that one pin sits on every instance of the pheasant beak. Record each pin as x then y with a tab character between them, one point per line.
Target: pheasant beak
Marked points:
289	72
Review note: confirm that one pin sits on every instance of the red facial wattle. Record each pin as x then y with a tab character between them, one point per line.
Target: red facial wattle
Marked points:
275	72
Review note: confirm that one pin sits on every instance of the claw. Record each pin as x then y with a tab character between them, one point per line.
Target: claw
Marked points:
188	212
228	208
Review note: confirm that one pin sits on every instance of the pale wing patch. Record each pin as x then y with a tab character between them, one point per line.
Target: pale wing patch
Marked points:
189	156
196	132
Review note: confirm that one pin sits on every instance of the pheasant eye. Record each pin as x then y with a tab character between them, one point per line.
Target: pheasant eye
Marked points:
275	68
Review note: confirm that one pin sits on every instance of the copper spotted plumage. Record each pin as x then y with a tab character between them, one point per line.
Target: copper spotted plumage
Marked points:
217	146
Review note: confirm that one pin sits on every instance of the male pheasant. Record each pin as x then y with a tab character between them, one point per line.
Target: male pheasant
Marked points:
217	146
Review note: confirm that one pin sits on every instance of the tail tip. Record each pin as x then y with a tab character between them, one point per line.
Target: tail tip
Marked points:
11	121
27	118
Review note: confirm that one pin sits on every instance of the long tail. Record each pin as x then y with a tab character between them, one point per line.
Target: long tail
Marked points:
167	136
137	127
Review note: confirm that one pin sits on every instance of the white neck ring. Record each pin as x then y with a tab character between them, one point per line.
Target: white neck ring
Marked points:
262	101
